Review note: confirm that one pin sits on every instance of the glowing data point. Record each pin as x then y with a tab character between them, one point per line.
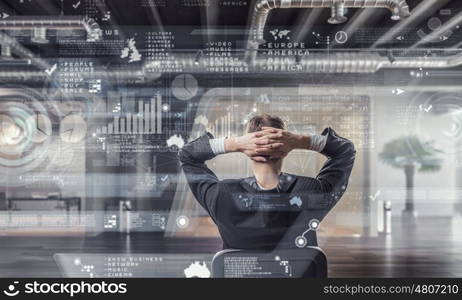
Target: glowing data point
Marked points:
182	222
301	241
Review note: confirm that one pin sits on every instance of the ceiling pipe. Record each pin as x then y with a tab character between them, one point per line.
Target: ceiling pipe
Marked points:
337	62
317	63
342	62
39	26
398	8
337	14
115	75
12	46
427	62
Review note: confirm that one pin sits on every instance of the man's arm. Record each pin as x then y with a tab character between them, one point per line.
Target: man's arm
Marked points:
340	153
203	182
247	144
332	180
277	143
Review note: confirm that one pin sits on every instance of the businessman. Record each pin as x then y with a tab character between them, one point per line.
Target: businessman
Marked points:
270	209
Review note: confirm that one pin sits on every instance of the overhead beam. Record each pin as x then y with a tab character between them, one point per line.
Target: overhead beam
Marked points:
422	11
156	15
436	34
310	16
360	18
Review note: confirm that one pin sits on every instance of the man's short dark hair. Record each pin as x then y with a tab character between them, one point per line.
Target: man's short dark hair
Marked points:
257	122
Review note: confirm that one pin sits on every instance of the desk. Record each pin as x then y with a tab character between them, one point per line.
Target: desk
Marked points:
69	202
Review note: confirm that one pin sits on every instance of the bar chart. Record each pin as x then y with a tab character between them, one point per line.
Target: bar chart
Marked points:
146	120
223	126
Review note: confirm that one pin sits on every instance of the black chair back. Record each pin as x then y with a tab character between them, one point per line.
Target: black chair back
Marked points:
310	262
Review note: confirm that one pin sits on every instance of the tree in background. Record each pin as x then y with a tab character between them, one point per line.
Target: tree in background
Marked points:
410	153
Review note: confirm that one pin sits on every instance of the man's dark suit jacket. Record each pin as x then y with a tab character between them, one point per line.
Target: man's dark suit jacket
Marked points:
250	218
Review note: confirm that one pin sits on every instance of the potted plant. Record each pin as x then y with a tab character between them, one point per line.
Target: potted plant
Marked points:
411	154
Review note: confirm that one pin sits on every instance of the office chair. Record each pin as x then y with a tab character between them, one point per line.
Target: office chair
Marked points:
310	262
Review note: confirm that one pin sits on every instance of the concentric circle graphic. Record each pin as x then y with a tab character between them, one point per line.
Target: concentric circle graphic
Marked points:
438	120
25	133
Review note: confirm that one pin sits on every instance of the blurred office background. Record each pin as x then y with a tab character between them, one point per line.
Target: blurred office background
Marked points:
88	153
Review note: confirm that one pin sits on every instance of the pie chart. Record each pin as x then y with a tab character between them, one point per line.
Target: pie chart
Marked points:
72	129
184	87
41	125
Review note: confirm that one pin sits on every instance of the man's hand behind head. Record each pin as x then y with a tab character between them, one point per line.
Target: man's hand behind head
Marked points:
249	143
267	144
276	143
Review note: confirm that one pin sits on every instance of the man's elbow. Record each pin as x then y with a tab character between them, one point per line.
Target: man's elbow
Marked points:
348	149
352	150
350	155
189	155
184	155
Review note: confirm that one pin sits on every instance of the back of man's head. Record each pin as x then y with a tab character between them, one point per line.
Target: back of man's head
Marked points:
264	120
257	122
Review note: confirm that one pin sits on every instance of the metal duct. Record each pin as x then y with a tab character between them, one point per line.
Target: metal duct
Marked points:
30	76
321	63
37	76
337	14
370	63
36	24
340	62
366	63
14	47
399	9
427	62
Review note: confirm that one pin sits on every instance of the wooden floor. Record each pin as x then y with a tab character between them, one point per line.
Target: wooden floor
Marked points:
431	248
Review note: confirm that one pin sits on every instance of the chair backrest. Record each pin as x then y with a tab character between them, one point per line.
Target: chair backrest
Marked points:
309	262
